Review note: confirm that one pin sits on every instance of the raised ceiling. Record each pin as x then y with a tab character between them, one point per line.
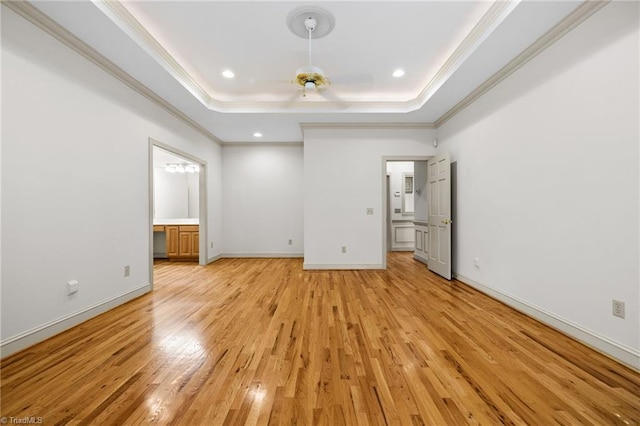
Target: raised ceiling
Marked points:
179	50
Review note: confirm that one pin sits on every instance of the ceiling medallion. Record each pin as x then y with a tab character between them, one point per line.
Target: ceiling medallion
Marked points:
297	17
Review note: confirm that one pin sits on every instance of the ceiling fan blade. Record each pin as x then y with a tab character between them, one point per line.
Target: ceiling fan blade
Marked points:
330	95
269	81
352	79
290	102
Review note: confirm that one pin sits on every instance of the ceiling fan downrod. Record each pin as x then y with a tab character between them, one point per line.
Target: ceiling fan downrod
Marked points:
310	24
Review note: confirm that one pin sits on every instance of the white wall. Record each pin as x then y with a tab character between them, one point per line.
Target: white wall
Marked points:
79	141
193	190
547	182
343	176
262	200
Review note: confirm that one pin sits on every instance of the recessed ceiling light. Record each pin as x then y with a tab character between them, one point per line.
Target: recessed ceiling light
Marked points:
228	74
398	73
257	135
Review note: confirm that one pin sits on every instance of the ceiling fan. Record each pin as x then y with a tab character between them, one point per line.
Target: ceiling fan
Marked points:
313	23
310	77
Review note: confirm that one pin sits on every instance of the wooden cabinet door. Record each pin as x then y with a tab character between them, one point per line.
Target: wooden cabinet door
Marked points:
185	244
172	240
195	244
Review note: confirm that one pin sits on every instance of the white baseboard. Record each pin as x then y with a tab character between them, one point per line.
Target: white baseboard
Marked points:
402	249
618	351
266	255
36	335
214	258
336	266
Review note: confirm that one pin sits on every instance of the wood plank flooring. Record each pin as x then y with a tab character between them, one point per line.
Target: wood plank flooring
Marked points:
260	341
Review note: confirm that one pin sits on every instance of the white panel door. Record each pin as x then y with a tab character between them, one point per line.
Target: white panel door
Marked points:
439	214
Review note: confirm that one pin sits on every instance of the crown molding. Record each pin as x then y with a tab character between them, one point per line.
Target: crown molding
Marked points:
121	16
310	106
361	126
575	18
264	144
496	14
42	21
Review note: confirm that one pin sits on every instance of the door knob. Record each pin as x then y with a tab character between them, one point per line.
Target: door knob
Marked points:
447	221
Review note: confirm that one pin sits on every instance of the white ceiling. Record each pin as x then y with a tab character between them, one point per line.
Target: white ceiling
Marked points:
178	49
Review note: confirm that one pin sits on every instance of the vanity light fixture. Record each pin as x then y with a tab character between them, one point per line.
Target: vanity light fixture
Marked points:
398	73
181	168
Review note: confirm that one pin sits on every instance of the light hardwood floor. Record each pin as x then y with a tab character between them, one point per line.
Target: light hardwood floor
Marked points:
259	341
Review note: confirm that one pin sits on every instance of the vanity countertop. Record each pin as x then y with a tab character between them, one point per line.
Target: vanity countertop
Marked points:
176	221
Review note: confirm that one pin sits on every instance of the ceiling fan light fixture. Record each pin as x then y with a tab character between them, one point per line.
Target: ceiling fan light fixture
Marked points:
311	74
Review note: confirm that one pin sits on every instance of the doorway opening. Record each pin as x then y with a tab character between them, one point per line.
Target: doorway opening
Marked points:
401	205
404	189
431	185
177	205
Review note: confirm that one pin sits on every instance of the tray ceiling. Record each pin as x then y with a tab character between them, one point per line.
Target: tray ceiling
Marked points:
180	49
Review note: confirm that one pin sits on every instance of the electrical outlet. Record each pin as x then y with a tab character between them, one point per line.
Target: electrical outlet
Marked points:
476	262
344	249
211	245
127	271
72	287
369	210
617	308
290	242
